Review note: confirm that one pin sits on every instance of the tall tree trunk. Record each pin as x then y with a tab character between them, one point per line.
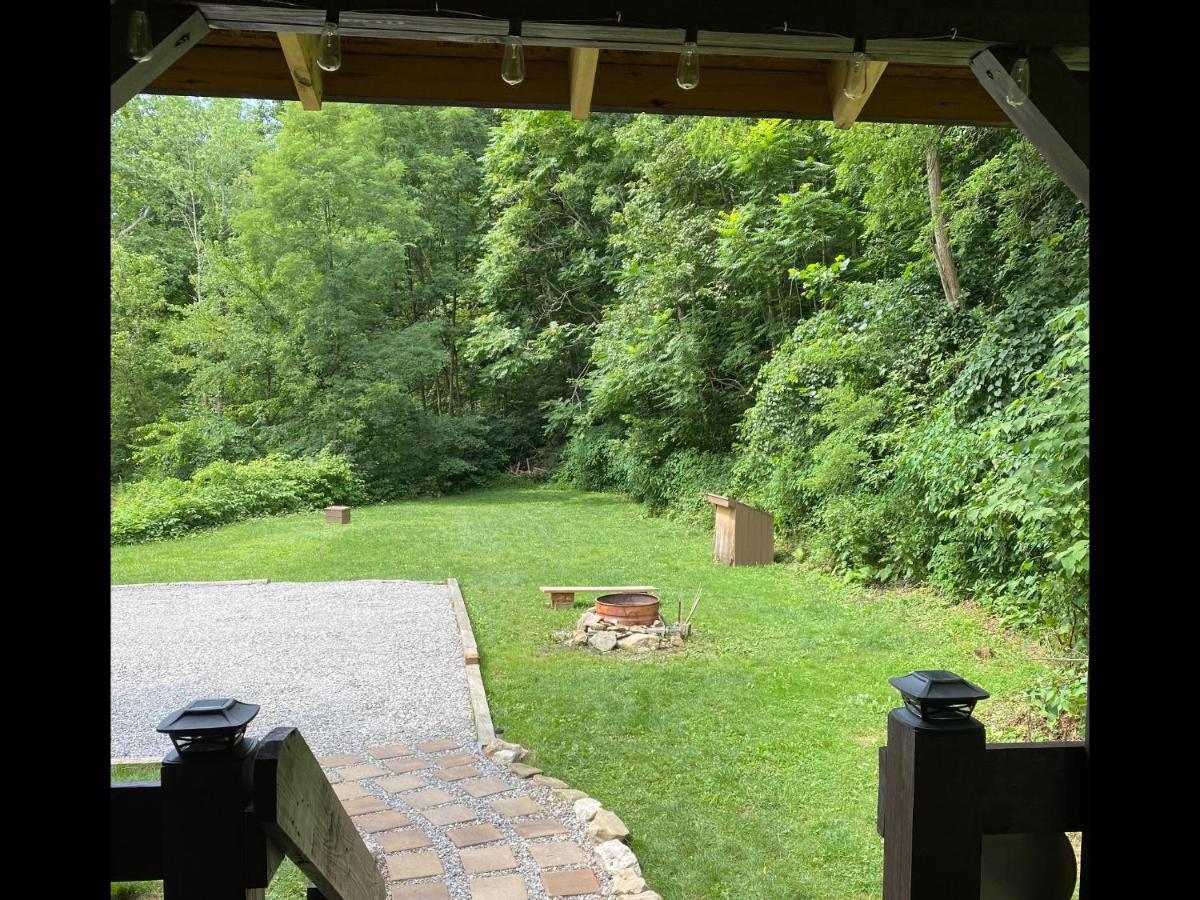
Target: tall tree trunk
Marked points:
942	256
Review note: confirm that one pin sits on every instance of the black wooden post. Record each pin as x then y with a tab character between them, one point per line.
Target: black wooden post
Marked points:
933	769
211	848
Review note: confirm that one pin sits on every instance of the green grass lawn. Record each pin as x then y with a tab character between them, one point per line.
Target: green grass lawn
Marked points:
745	766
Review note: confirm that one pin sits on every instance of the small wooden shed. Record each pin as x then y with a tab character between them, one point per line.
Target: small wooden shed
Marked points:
743	535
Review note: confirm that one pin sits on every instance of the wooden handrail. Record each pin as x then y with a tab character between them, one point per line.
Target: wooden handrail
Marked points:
297	808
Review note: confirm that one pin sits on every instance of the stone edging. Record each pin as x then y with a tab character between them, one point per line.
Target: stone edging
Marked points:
604	827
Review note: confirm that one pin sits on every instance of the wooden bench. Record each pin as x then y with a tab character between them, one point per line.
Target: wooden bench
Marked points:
562	597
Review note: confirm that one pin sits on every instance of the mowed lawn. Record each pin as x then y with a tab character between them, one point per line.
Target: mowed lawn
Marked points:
745	766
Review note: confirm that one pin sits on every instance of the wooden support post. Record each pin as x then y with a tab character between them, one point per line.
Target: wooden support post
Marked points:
561	600
1054	117
582	65
176	30
931	825
300	51
845	111
211	847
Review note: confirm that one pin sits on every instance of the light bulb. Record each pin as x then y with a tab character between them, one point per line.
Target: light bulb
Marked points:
687	76
856	76
141	43
512	70
1020	77
329	48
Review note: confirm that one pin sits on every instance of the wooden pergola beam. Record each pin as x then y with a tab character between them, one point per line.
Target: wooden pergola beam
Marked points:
176	30
1054	117
582	65
845	110
246	64
300	51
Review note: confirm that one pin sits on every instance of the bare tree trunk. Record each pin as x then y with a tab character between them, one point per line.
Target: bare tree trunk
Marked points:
942	256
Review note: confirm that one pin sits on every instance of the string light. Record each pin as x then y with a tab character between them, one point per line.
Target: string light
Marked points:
856	73
1020	77
140	42
329	47
687	76
512	69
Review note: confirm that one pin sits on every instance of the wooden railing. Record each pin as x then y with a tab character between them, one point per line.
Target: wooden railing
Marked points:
943	791
218	825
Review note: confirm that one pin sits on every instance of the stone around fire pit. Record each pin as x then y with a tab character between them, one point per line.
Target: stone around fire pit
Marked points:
604	635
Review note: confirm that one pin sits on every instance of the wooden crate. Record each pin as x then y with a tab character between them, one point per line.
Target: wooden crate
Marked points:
743	535
338	515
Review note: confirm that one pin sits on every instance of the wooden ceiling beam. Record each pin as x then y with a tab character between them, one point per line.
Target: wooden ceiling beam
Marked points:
300	51
247	64
175	31
582	65
1054	117
845	110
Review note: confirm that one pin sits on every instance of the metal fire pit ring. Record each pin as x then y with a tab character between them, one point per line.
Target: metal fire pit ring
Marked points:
628	609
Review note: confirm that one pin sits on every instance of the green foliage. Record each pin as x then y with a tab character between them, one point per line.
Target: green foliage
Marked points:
672	305
224	492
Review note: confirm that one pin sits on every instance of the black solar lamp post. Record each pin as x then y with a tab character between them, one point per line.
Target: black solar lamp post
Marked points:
206	791
935	698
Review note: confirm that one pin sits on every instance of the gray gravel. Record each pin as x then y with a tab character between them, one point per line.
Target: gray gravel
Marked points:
351	664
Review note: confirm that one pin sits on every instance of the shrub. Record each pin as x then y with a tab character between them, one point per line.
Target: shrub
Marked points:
223	492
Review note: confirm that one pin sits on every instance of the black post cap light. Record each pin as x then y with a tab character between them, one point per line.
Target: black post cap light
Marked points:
937	698
208	725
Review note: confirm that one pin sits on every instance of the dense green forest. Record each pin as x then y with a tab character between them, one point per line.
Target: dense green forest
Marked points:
880	335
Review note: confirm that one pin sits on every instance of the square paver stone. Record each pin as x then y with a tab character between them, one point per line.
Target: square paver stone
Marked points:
358	773
399	841
557	853
457	759
503	887
437	746
413	865
389	752
449	815
538	828
427	798
429	891
364	805
394	784
485	787
339	759
516	806
457	773
350	791
381	821
474	834
410	764
488	859
570	882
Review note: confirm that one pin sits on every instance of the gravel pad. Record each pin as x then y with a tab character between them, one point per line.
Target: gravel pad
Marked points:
351	663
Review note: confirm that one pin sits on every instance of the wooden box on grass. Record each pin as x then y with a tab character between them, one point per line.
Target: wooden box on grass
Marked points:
743	535
338	515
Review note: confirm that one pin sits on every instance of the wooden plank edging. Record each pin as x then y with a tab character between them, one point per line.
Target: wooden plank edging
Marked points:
480	710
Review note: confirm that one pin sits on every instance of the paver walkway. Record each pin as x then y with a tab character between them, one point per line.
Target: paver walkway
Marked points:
449	824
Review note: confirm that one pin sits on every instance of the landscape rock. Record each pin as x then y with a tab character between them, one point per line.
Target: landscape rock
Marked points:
579	638
646	895
512	752
588	618
523	770
627	881
616	856
547	781
676	641
606	826
586	808
603	641
638	641
568	795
